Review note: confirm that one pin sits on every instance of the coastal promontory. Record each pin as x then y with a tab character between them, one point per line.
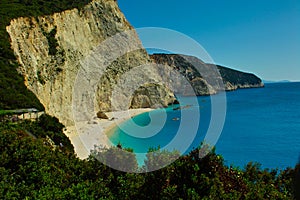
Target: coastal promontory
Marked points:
207	79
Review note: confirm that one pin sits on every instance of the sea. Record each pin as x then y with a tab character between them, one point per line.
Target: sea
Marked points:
260	125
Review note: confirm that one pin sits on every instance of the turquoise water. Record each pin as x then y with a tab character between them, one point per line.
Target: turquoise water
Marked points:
261	125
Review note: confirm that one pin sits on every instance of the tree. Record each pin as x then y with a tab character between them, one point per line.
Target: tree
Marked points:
117	158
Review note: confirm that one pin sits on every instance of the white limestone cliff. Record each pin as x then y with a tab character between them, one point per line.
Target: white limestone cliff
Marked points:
52	50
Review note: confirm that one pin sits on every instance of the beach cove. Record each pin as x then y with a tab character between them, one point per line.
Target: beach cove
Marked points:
86	134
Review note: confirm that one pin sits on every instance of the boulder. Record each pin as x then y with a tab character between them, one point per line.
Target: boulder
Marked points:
101	115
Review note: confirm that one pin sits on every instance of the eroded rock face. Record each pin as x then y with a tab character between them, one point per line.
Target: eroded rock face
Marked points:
206	79
52	50
203	80
149	96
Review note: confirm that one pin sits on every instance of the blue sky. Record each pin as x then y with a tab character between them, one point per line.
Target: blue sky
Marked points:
262	37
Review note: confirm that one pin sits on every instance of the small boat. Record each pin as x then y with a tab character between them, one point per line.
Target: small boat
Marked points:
177	108
182	107
175	119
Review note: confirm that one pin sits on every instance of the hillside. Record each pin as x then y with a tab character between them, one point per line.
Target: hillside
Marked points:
13	93
206	79
73	60
239	79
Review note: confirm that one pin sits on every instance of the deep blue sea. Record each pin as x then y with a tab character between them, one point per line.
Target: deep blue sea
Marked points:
261	125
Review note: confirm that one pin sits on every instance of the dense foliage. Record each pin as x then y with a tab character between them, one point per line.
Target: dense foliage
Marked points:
32	169
13	92
238	78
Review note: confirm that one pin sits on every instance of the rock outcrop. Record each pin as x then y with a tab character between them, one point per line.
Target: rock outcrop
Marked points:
206	79
52	50
101	115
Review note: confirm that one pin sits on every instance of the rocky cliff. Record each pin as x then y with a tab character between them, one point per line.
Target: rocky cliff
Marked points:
206	79
53	49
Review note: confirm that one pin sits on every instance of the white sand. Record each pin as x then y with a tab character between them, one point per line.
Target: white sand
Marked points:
85	135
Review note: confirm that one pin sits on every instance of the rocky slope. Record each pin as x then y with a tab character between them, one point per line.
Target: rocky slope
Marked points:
206	79
70	52
81	61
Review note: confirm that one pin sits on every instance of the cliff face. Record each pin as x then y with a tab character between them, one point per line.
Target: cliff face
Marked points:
51	51
207	79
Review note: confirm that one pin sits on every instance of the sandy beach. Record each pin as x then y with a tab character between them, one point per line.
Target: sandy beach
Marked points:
85	135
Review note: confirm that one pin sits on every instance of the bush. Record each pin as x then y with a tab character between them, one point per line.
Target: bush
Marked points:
30	169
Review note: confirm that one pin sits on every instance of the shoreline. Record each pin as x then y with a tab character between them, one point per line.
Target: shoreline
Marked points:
122	116
86	134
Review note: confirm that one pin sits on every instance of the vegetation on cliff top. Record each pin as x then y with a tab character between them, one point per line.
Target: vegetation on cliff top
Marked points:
238	78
